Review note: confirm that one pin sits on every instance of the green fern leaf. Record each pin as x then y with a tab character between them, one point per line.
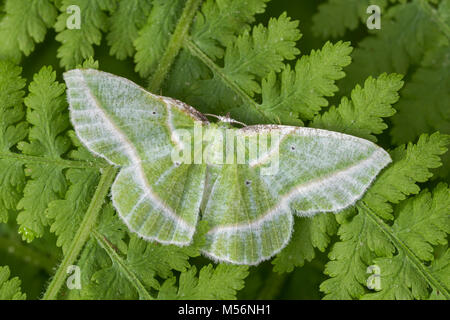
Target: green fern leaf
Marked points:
213	29
220	282
363	236
216	26
154	37
163	259
399	45
335	17
424	106
421	222
66	214
410	165
78	44
12	130
309	233
94	258
301	93
47	113
350	256
125	23
25	24
9	289
131	270
425	103
440	268
253	55
362	115
247	60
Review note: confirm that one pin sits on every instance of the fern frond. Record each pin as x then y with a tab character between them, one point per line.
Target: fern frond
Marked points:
163	259
215	27
219	22
421	223
121	277
250	58
10	289
25	24
93	258
412	164
440	269
425	106
400	44
132	268
47	113
84	231
301	93
125	22
363	115
350	257
12	130
68	213
78	44
155	36
365	236
335	17
220	282
309	233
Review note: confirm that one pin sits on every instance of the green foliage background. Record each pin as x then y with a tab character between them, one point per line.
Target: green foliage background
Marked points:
311	63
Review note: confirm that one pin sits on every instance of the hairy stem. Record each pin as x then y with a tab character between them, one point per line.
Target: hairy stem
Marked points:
402	246
83	232
117	260
197	52
175	43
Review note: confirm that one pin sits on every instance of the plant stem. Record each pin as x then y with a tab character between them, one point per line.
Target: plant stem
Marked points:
175	43
129	274
197	52
404	247
83	232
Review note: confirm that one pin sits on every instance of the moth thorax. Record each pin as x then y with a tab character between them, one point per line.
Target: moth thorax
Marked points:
215	141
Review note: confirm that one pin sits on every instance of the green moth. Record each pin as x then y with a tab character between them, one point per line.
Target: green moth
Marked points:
177	168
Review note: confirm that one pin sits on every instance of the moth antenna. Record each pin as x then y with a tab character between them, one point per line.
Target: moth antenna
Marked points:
225	119
212	115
